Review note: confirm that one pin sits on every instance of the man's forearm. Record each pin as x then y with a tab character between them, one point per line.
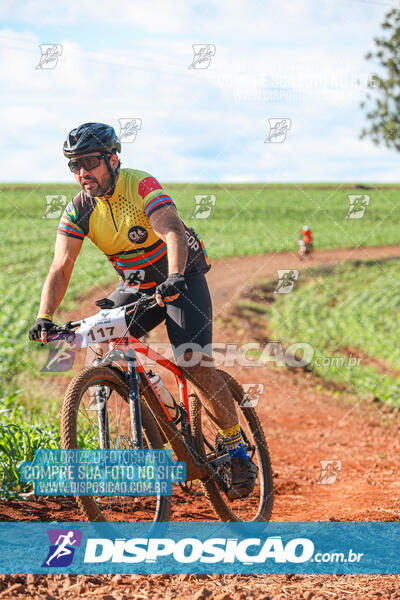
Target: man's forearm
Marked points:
177	251
54	289
169	227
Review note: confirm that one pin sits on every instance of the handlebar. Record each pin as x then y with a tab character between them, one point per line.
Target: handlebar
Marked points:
143	300
66	332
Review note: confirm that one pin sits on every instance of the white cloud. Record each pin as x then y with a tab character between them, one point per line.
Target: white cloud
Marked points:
197	124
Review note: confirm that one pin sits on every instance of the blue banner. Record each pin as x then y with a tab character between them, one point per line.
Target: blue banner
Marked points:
235	548
116	472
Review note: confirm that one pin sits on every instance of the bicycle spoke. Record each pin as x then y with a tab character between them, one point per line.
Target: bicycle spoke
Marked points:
113	508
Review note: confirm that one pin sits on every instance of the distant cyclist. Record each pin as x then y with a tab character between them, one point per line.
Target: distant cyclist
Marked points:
305	242
128	215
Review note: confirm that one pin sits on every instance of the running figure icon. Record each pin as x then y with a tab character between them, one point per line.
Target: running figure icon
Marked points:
62	546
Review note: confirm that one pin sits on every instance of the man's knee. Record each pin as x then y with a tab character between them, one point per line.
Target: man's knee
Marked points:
198	368
194	360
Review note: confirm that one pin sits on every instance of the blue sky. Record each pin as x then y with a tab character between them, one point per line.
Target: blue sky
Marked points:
130	59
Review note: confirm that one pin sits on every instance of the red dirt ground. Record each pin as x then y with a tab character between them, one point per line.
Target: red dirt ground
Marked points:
304	423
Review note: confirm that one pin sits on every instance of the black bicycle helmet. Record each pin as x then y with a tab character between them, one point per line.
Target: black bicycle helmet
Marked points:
95	137
91	137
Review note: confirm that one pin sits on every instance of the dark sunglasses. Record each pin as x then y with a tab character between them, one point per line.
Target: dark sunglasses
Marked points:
87	162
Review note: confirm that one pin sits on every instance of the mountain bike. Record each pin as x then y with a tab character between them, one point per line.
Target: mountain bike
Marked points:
114	405
303	249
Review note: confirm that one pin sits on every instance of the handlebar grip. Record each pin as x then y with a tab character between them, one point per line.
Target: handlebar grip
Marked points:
68	336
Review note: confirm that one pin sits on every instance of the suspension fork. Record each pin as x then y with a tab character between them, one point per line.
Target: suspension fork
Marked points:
134	398
101	396
102	416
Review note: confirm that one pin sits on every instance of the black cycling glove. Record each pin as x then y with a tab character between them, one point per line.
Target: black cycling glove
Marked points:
175	284
35	332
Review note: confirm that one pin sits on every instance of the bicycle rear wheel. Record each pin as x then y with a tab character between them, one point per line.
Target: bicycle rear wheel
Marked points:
258	505
80	429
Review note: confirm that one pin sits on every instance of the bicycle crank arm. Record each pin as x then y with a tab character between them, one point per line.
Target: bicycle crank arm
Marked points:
220	460
217	478
212	468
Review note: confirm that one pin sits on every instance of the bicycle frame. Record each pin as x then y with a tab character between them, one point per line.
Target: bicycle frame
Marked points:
133	343
183	449
130	366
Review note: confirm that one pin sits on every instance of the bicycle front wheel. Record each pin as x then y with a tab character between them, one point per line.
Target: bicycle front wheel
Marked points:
83	427
258	505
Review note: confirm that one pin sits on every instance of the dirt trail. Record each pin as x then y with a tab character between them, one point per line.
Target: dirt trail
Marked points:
304	424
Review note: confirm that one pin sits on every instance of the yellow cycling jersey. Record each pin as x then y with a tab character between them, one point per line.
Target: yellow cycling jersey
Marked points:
121	228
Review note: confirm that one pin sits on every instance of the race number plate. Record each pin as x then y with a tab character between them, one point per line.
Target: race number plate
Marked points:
105	325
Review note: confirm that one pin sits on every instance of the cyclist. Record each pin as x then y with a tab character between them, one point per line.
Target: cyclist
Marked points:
305	244
134	222
307	237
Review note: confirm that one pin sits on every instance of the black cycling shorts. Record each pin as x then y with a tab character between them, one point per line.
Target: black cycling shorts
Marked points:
188	318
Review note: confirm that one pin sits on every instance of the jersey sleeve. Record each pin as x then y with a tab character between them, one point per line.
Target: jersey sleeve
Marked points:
70	224
152	194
